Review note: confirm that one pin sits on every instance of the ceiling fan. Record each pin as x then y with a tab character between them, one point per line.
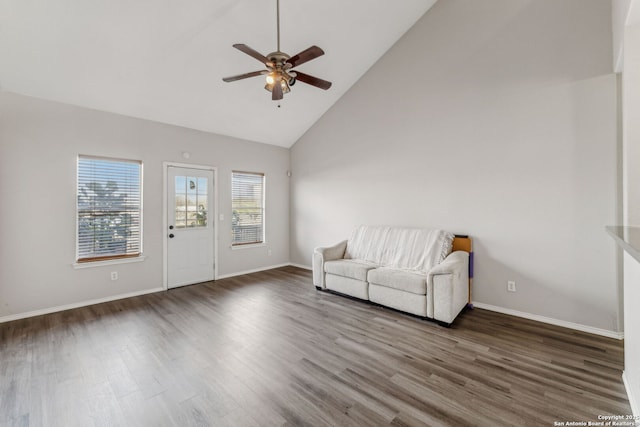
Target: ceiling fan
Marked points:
279	72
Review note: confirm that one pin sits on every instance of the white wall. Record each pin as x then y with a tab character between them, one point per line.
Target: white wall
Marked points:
631	202
493	118
39	143
631	336
631	129
619	14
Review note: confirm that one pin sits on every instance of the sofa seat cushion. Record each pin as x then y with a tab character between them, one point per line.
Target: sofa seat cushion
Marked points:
407	281
351	268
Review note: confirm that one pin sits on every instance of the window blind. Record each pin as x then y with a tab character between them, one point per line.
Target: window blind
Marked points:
247	204
109	209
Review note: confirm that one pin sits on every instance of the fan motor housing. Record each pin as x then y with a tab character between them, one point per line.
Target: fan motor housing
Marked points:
279	59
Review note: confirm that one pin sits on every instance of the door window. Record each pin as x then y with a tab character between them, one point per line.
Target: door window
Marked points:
190	201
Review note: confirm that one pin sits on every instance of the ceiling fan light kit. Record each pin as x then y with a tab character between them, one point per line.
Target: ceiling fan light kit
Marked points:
279	73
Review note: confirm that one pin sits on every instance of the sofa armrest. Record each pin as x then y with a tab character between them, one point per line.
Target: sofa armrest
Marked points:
323	254
448	284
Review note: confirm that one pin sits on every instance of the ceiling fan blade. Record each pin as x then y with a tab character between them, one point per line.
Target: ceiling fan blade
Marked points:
245	76
276	92
313	81
305	56
253	53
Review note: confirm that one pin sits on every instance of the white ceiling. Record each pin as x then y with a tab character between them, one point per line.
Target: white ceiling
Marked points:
164	60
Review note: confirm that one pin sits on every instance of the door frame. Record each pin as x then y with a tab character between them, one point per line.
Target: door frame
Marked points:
165	217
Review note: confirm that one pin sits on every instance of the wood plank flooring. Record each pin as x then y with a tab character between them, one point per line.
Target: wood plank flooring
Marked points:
267	349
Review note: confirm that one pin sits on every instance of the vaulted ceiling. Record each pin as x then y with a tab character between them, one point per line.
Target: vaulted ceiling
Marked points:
164	60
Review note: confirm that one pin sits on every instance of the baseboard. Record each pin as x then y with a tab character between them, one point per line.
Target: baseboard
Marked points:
76	305
257	270
635	405
556	322
304	267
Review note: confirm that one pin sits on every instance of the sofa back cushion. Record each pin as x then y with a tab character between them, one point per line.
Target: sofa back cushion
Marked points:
412	249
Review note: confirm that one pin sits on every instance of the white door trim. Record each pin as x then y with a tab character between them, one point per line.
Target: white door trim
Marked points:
165	223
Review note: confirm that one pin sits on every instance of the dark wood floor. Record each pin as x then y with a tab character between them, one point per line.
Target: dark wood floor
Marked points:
268	349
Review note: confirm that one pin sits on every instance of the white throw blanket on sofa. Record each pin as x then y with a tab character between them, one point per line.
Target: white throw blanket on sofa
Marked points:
412	249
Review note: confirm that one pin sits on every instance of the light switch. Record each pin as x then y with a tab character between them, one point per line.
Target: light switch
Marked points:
221	217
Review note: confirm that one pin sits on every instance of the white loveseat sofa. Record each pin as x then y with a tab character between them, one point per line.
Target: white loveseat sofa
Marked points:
408	269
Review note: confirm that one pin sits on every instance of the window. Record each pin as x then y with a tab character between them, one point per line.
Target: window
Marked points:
191	201
109	209
247	204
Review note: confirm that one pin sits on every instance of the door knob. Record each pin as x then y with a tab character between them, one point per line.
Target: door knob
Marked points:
171	236
171	227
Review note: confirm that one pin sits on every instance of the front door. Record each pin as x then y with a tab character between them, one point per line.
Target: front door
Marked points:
190	218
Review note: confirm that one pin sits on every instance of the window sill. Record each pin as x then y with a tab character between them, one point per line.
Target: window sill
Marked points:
82	265
253	245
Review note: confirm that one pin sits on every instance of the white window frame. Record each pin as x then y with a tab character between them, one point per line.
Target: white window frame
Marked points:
83	261
262	240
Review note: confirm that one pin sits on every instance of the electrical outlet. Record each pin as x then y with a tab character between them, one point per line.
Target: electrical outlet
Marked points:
511	286
114	275
268	252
